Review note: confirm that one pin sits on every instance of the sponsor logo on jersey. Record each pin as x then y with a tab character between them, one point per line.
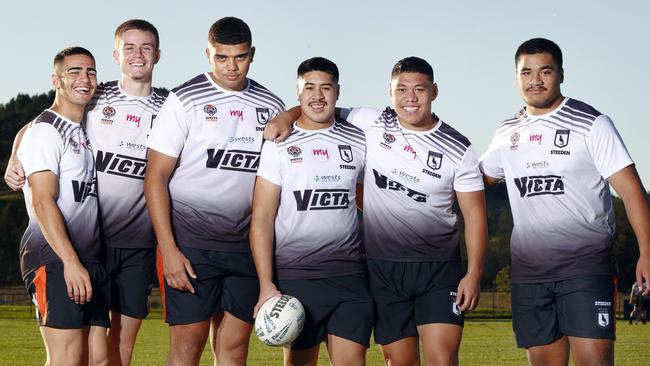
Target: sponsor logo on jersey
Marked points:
538	185
108	112
561	138
241	139
434	160
535	138
262	115
389	138
122	165
132	146
514	138
327	178
345	152
210	112
383	182
322	199
238	114
82	190
537	164
405	175
295	151
409	149
321	154
133	121
237	160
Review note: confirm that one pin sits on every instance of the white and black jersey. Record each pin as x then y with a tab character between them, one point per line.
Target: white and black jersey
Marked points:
409	187
555	166
316	227
53	143
216	135
118	125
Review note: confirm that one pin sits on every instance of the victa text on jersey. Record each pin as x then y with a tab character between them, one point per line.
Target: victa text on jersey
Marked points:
237	160
119	164
322	199
538	185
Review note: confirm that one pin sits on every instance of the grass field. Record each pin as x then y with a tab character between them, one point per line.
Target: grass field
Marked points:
485	342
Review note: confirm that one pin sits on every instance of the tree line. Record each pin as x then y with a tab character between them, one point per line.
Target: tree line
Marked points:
13	216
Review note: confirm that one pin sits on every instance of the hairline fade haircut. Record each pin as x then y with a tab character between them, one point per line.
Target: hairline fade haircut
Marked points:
71	51
540	45
412	64
230	31
319	64
139	24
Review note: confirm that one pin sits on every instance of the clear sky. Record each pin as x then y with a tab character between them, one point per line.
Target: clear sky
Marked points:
470	45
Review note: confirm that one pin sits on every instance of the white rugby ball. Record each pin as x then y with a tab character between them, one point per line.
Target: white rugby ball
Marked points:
280	320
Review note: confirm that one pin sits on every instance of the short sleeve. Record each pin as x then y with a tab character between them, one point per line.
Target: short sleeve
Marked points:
40	149
468	177
270	168
361	117
171	129
490	162
607	148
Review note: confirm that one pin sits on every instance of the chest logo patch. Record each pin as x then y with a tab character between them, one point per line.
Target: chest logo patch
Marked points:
434	160
561	138
345	151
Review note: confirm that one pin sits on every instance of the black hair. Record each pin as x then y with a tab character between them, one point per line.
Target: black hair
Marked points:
230	31
412	64
540	45
319	64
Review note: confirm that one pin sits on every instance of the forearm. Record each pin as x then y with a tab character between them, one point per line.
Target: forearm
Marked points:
474	213
261	240
156	193
54	230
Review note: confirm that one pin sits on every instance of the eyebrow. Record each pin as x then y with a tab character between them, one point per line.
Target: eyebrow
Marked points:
239	55
144	44
323	84
77	68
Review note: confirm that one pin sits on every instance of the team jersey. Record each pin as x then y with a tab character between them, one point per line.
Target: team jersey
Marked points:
555	166
410	185
51	142
118	125
316	228
216	135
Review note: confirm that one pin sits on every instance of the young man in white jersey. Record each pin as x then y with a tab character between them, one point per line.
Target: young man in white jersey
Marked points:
203	155
558	157
304	202
61	252
118	121
416	165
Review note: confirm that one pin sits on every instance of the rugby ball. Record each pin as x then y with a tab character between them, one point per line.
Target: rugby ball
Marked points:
280	320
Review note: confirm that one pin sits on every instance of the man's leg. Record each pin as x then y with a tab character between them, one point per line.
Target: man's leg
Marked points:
302	357
345	352
65	346
121	338
215	323
404	352
97	346
556	353
232	338
186	343
440	343
587	351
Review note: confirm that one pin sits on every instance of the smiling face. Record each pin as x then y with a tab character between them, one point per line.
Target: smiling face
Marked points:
75	79
136	52
539	79
317	94
412	94
230	64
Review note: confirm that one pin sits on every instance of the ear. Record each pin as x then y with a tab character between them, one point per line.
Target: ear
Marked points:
390	89
561	75
56	82
434	92
338	91
207	54
156	57
252	53
116	56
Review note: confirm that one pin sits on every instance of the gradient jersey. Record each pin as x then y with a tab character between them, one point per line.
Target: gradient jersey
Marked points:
316	228
216	135
118	125
555	166
51	142
409	187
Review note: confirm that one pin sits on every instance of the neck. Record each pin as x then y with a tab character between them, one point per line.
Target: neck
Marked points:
538	111
308	124
138	88
423	125
72	112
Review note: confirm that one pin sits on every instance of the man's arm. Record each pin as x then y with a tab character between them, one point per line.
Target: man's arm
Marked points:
472	206
279	128
15	175
265	206
490	181
156	191
44	187
627	184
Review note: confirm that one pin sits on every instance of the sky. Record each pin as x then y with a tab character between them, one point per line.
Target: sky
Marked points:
470	44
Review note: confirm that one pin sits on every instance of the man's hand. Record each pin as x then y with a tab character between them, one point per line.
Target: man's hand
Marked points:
279	128
15	175
267	291
469	292
177	267
77	282
643	274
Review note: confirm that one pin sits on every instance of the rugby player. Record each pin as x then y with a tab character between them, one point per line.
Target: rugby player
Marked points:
203	155
61	252
118	121
558	157
416	166
305	200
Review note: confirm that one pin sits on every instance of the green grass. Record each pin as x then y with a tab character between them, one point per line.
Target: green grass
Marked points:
485	342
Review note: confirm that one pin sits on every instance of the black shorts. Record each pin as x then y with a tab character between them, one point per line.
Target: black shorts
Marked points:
54	309
132	274
341	306
226	281
544	312
409	294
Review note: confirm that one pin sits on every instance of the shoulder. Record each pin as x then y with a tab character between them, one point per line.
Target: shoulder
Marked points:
266	95
192	87
450	133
